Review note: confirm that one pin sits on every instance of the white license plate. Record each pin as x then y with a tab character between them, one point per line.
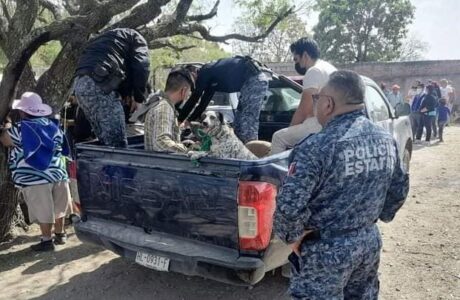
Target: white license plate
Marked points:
152	261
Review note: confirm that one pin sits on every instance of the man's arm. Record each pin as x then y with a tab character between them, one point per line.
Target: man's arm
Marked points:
164	121
292	211
305	109
397	193
5	138
140	68
204	102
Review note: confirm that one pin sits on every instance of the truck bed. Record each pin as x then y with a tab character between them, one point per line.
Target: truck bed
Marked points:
167	192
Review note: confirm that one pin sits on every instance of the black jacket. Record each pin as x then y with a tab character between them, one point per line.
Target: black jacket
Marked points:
225	75
123	49
429	102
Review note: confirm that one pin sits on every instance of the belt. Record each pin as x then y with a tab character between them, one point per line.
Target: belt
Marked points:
328	234
84	72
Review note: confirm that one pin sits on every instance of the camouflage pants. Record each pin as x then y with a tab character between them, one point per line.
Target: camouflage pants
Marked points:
339	268
104	112
246	123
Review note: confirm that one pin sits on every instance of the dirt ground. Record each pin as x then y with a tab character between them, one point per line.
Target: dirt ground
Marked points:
420	258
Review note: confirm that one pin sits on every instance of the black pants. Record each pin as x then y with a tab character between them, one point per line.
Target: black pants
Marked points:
434	127
416	119
426	123
441	125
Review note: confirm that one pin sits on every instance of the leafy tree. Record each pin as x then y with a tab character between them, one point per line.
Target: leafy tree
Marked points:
28	25
362	30
276	46
412	49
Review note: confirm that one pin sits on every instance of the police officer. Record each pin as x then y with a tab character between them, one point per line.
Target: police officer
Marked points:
114	65
230	75
340	182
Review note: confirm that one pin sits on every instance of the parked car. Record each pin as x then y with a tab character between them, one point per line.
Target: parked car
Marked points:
214	219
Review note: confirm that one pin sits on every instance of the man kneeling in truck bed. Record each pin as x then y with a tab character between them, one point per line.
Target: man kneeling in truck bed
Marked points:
162	133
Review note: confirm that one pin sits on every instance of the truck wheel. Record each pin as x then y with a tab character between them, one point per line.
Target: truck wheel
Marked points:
406	160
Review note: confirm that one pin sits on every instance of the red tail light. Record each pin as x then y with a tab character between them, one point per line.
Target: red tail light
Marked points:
256	206
73	169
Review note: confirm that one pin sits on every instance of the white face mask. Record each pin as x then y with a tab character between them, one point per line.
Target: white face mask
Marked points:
419	91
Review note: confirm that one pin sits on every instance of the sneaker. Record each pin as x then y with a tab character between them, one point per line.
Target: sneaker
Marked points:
427	143
60	238
43	246
417	142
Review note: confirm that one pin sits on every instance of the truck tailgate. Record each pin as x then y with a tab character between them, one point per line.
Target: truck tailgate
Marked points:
160	192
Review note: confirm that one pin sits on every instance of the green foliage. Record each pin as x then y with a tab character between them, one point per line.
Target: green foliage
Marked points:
362	30
46	54
164	58
257	15
261	13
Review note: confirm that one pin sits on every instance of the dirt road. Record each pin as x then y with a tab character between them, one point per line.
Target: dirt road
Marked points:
420	258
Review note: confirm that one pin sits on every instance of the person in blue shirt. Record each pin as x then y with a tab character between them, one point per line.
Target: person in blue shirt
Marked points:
340	182
416	116
230	75
443	117
428	110
37	148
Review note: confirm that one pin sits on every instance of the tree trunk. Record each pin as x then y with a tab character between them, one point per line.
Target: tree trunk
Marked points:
9	199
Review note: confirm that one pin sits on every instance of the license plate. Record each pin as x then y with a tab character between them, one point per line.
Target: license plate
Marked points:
152	261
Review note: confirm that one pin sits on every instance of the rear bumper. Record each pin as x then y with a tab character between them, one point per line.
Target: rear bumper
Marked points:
186	256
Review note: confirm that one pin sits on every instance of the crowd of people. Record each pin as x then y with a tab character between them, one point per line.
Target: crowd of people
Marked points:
431	107
324	211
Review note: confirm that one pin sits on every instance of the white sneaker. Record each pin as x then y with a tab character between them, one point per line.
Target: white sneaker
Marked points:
427	143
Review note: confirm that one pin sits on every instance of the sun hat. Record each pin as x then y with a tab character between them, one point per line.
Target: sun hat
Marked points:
32	104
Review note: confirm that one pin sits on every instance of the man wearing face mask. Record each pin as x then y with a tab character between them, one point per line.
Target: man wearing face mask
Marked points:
162	132
416	116
340	182
316	73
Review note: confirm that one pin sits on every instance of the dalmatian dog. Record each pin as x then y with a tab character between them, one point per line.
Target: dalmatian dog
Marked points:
225	144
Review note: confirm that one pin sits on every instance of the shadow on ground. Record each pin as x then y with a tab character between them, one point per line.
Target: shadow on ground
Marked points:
44	261
121	279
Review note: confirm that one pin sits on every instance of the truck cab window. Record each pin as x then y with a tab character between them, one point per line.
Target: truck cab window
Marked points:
376	107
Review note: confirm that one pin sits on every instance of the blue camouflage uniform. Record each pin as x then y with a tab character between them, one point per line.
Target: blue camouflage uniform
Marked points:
246	122
230	75
340	182
114	65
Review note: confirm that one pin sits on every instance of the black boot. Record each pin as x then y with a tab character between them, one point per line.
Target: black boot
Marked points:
43	246
60	238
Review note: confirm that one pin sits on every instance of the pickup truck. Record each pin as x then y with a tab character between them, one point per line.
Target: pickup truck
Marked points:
213	219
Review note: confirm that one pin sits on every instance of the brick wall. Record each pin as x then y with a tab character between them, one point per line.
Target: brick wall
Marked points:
401	73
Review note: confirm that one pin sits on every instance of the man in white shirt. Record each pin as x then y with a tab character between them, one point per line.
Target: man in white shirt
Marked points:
307	62
395	97
447	93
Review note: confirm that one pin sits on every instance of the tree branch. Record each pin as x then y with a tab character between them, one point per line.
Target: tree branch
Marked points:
162	43
55	8
23	18
6	13
92	22
210	15
70	7
205	34
141	14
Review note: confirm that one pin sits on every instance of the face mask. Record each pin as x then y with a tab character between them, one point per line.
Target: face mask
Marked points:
299	69
419	91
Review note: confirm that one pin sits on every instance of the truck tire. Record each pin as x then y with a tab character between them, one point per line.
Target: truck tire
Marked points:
406	160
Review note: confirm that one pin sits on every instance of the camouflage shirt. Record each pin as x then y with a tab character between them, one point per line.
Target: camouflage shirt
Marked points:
345	177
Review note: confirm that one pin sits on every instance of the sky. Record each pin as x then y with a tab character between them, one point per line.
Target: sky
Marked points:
436	22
